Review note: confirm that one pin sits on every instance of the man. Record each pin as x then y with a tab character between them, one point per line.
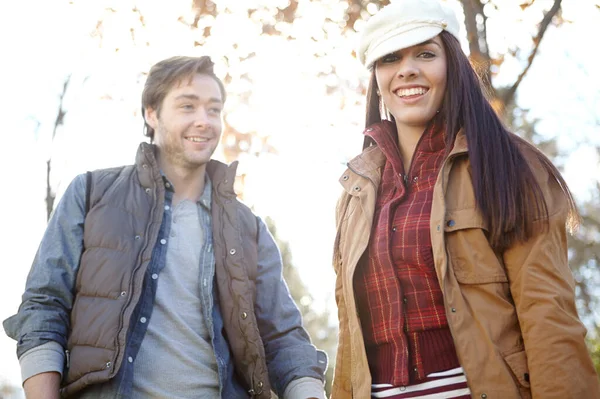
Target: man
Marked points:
152	280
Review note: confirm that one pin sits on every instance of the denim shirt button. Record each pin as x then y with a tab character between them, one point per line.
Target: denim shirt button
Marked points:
154	276
123	293
148	191
232	251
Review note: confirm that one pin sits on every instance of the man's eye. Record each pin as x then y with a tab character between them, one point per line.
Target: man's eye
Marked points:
216	111
187	107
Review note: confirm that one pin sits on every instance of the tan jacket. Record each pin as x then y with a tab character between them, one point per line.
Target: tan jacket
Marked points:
512	315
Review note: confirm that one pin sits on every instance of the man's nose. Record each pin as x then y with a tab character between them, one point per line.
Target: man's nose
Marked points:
201	118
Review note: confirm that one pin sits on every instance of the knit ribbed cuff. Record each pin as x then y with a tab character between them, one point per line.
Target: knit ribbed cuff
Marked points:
305	387
45	358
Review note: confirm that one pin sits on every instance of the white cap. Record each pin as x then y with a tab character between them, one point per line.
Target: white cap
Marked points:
404	23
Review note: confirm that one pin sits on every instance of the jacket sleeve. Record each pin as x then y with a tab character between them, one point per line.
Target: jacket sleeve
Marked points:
542	287
44	313
289	353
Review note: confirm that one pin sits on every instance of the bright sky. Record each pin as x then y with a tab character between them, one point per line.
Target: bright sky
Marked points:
314	133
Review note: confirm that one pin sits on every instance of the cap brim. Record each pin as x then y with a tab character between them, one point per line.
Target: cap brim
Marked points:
393	42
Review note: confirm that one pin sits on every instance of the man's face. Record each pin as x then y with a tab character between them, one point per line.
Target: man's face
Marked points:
188	129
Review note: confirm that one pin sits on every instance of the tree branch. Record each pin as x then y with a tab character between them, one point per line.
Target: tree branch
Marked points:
60	116
509	95
477	38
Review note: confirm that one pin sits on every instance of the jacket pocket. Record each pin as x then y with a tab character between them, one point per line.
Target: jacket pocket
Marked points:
472	259
518	365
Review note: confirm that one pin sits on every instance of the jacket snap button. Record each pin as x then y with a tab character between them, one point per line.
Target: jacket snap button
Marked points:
260	384
108	364
137	237
232	251
453	310
123	293
356	188
483	396
148	191
451	223
345	177
244	315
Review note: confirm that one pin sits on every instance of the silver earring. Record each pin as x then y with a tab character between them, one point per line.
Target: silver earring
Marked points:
388	115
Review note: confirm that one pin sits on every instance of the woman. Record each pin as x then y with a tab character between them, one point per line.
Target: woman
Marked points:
451	251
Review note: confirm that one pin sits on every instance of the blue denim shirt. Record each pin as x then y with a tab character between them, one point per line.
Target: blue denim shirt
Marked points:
42	310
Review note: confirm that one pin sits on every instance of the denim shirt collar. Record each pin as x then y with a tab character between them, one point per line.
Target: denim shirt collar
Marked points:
206	197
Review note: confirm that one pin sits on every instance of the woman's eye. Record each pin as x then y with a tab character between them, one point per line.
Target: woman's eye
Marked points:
389	58
427	54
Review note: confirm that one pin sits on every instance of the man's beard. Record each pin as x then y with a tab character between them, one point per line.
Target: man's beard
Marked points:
173	151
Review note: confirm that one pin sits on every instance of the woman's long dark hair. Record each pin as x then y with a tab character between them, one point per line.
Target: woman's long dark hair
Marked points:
506	190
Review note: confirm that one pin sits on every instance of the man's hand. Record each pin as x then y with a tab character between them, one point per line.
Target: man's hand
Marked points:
43	386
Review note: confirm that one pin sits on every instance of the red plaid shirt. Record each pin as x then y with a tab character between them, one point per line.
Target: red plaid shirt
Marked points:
398	295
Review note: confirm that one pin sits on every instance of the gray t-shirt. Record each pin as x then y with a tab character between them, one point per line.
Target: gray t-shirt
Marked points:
176	357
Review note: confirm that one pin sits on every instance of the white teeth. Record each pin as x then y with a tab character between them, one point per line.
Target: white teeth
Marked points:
196	139
411	92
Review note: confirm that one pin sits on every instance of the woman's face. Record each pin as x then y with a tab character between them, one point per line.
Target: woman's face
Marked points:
412	82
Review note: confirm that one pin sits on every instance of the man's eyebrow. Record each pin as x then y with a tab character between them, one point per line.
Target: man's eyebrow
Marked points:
195	97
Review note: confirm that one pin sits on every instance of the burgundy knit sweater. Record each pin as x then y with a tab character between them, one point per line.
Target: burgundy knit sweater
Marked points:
399	299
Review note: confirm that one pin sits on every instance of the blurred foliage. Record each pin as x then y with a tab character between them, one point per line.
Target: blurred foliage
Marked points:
318	323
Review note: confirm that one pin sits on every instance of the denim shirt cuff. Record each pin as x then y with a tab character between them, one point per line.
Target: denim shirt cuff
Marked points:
303	388
48	357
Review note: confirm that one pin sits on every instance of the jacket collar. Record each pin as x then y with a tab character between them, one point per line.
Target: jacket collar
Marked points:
369	162
222	176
